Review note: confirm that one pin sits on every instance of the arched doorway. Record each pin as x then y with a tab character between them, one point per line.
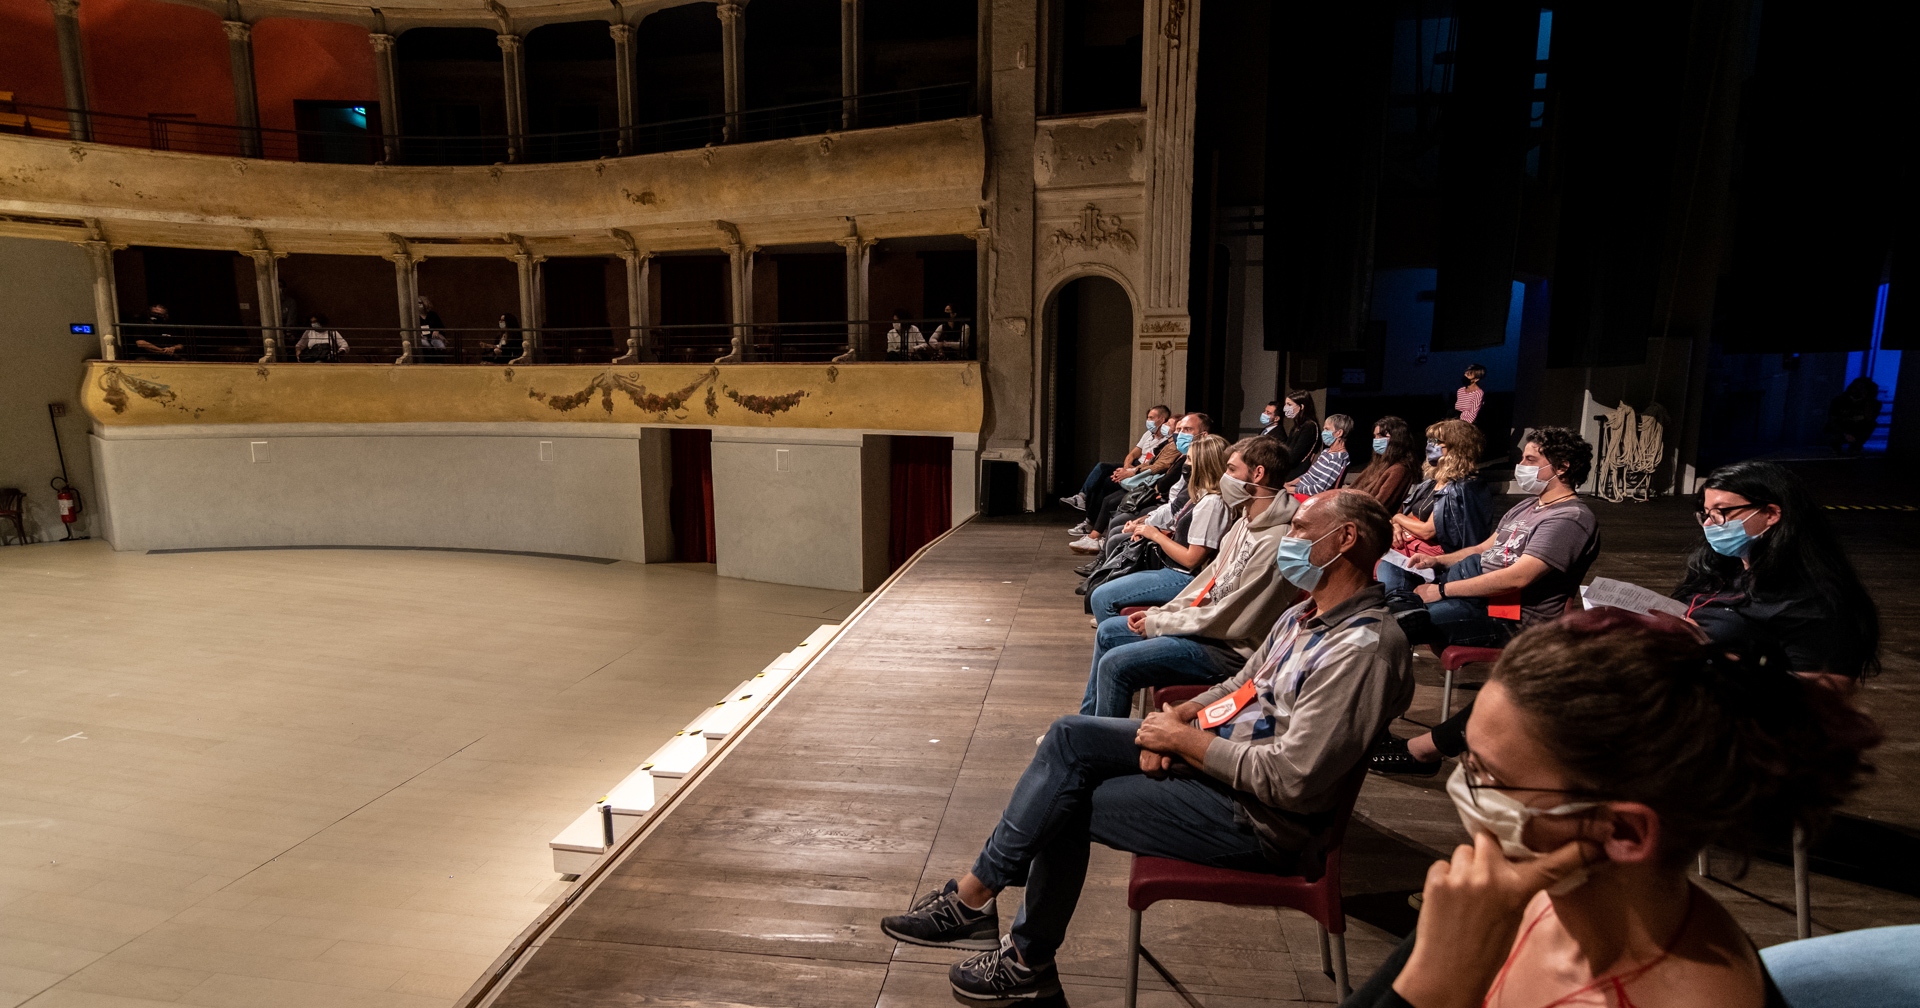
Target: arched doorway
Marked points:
1089	412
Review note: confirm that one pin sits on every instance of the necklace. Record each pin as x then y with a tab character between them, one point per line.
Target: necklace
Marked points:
1540	505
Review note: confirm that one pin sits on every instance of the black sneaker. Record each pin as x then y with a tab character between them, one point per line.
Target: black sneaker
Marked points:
997	975
1086	568
939	919
1392	757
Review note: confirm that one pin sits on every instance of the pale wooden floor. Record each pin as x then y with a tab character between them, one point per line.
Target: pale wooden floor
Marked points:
325	778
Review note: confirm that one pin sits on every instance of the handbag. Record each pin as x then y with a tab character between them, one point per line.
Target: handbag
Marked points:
1130	557
1142	478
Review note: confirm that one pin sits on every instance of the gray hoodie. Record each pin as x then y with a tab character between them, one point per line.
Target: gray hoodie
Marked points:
1244	592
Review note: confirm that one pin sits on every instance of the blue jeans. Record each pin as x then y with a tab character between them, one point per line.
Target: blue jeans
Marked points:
1085	784
1147	588
1124	661
1101	472
1456	620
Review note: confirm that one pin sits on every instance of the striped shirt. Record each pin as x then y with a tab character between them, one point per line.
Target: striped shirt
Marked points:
1467	402
1328	467
1298	645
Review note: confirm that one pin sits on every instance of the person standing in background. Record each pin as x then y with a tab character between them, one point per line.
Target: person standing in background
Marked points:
1270	419
1466	402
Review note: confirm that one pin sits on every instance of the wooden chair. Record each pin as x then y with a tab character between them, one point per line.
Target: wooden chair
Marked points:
13	508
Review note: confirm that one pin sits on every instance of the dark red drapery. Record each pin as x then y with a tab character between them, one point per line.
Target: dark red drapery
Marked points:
922	492
691	502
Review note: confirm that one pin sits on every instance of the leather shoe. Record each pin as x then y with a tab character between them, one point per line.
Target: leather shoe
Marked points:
1080	589
1392	757
1085	569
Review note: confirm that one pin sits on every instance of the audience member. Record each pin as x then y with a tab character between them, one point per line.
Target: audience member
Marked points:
1253	789
508	349
1452	508
1390	468
1331	463
319	344
1521	576
1466	402
1300	432
1607	751
1852	416
1186	539
1205	633
160	346
904	341
1149	486
431	344
1270	419
1771	569
947	340
1101	479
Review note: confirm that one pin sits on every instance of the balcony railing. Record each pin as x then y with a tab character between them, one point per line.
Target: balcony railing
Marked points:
763	342
173	133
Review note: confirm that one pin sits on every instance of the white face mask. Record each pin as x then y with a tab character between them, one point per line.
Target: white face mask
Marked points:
1527	478
1235	491
1504	817
1292	408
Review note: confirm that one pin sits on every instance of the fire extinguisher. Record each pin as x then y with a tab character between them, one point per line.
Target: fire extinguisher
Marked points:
69	501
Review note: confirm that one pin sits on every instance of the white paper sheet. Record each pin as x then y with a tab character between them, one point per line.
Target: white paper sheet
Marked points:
1628	596
1402	561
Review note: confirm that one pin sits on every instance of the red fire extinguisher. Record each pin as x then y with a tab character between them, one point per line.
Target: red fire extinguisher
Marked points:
69	502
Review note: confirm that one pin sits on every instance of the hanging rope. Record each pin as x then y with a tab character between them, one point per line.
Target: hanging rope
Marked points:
1631	448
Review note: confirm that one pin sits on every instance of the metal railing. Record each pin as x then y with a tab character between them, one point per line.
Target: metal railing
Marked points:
174	133
760	342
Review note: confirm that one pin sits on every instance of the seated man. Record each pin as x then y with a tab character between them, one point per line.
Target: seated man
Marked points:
1254	790
1166	468
1102	479
1206	633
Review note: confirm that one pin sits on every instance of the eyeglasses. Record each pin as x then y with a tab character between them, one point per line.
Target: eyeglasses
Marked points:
1715	517
1479	780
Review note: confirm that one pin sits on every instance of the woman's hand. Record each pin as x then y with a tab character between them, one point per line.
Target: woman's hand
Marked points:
1400	536
1470	912
1425	561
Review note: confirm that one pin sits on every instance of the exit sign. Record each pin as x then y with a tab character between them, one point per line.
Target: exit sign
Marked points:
80	329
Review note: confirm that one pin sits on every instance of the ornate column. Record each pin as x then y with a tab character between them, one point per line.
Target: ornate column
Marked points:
733	32
383	73
513	69
624	83
266	288
1172	52
850	18
106	313
639	276
527	268
73	72
406	284
859	331
982	253
246	98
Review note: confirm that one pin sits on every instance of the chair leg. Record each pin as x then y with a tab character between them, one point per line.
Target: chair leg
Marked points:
1326	958
1802	886
1133	958
1340	978
1703	865
1446	695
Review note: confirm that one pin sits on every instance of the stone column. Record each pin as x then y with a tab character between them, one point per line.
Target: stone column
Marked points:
383	72
733	34
513	69
527	267
266	288
639	276
850	18
406	278
1171	72
246	98
73	71
982	262
624	84
106	312
856	249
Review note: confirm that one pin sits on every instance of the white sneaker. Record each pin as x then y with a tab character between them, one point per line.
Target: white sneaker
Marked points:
1085	544
1081	529
1078	502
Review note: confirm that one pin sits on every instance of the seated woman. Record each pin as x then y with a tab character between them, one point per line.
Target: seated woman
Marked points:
1608	749
1330	464
1452	508
1771	567
1390	469
1187	538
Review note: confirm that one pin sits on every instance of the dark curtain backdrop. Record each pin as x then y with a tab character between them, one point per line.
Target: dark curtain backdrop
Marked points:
922	492
691	502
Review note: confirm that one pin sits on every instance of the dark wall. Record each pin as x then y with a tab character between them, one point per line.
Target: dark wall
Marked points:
1095	55
793	52
679	68
919	44
570	84
452	85
470	294
353	291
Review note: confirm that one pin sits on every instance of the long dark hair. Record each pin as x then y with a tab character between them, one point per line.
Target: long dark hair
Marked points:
1400	450
1307	417
1799	555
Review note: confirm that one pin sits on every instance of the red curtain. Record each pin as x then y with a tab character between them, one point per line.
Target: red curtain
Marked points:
922	492
691	502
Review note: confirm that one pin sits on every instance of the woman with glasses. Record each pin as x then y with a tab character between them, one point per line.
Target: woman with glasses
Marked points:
1771	568
1608	749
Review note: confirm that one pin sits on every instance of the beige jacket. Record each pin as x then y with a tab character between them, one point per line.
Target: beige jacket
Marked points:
1247	595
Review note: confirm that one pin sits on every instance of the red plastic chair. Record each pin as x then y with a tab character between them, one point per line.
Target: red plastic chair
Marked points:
1454	658
1154	879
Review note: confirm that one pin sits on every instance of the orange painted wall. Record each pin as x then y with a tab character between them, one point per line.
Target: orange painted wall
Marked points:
29	56
298	59
146	56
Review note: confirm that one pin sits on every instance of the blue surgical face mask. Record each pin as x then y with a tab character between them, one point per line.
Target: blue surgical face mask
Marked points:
1730	539
1183	441
1434	451
1327	438
1151	426
1295	563
1379	445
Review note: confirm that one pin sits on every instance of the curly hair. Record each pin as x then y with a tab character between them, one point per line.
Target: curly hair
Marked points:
1567	451
1728	749
1463	442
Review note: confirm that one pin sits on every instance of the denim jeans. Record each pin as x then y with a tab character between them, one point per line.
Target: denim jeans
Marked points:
1124	661
1456	620
1147	588
1101	470
1085	784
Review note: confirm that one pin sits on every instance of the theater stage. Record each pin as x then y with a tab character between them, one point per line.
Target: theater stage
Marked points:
880	772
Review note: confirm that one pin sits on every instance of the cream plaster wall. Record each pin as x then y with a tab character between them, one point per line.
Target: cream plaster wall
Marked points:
810	523
43	288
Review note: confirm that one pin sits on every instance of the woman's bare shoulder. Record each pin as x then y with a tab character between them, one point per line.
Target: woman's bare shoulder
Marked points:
1713	965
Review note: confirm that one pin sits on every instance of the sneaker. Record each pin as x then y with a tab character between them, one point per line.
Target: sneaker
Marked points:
940	920
1081	529
1392	757
1085	544
1078	501
998	975
1087	568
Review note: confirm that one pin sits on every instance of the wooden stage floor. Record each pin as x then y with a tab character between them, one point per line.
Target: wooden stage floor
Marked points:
880	773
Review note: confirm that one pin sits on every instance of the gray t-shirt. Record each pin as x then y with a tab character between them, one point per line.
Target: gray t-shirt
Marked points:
1565	536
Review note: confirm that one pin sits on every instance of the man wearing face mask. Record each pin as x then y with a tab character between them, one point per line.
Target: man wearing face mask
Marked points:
1245	777
1270	419
1167	473
1102	479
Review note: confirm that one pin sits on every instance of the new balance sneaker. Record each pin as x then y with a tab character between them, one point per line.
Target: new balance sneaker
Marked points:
1085	544
1391	757
939	919
998	975
1078	501
1081	529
